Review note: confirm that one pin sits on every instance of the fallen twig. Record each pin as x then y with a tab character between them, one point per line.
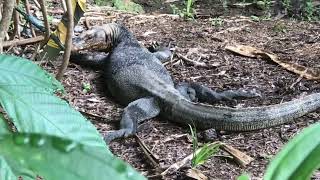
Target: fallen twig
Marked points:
153	159
195	63
299	79
239	156
176	166
196	174
95	116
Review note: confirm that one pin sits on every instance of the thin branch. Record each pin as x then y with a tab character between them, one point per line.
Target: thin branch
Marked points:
45	18
18	42
5	21
68	42
37	4
195	63
152	158
64	6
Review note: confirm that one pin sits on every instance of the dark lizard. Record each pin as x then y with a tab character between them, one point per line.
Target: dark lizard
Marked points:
136	77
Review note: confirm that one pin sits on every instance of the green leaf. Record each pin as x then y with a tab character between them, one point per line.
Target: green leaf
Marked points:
6	171
205	152
244	177
56	158
36	110
299	158
3	126
19	71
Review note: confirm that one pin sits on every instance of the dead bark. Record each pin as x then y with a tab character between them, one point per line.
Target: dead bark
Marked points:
5	21
68	43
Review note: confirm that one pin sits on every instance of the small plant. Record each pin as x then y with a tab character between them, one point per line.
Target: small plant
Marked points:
255	18
190	10
201	155
216	22
309	10
287	5
187	12
280	28
86	87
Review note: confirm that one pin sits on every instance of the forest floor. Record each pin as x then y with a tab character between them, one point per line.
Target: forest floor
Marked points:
203	41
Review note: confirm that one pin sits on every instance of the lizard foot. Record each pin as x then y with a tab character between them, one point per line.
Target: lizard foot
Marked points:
122	133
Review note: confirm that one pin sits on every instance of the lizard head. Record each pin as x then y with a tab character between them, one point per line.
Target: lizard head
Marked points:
99	38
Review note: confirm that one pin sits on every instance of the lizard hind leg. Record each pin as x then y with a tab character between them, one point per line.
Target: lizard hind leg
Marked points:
201	93
135	113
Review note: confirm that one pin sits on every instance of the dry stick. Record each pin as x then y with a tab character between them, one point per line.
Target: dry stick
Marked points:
241	158
97	117
196	63
28	12
299	79
176	166
68	43
64	6
5	21
34	55
18	42
45	18
154	160
37	4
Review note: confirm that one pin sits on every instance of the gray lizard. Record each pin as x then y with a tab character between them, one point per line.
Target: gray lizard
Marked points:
136	77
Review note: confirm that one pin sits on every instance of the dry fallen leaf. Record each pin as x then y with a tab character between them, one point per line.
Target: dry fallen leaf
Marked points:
248	51
196	174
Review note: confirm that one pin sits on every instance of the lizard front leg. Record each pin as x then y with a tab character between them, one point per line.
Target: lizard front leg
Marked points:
135	113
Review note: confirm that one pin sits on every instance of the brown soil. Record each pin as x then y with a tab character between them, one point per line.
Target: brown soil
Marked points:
200	40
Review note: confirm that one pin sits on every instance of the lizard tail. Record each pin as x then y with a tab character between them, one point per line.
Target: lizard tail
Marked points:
242	119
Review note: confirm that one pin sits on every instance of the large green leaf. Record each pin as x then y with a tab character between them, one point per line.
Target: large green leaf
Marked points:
5	170
3	125
55	158
299	158
19	71
36	110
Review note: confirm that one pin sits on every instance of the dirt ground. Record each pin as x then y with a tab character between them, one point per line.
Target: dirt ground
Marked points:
200	40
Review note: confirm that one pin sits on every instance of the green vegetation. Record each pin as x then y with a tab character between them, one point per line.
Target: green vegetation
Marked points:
187	12
49	133
298	159
29	155
125	5
202	154
244	177
280	28
86	87
216	21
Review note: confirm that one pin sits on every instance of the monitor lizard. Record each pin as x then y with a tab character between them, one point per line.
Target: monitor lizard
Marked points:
137	78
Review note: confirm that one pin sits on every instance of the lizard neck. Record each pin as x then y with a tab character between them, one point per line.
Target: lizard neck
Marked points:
117	33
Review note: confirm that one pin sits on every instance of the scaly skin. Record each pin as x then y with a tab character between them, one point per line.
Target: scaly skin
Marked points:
136	78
